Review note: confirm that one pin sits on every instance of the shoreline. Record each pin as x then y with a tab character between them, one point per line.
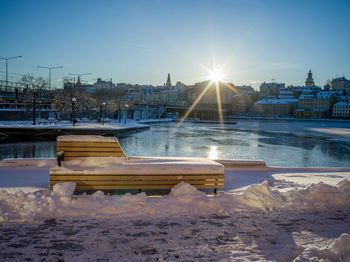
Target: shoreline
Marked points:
23	129
290	119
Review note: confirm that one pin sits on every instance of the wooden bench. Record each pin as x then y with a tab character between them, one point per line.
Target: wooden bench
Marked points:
77	147
113	170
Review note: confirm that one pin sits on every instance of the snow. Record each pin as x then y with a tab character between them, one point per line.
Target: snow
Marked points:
277	101
86	138
112	124
140	165
345	132
263	214
183	199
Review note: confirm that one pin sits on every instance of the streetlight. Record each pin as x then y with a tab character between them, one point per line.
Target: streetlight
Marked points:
8	58
102	107
126	115
73	116
50	68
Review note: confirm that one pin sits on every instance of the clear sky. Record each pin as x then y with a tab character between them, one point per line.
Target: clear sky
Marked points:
140	42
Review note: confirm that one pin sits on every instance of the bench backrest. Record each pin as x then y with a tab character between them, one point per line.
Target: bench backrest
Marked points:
94	147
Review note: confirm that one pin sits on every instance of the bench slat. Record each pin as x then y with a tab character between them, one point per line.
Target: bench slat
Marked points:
90	149
139	187
91	154
145	182
55	177
88	144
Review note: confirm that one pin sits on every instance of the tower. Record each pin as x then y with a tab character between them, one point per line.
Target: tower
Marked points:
78	83
309	80
168	82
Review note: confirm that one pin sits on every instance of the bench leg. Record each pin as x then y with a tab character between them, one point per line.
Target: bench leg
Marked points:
215	191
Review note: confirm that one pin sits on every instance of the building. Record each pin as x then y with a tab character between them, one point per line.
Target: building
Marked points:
298	90
309	80
270	89
317	105
341	110
168	81
286	93
340	83
208	94
311	113
99	84
275	107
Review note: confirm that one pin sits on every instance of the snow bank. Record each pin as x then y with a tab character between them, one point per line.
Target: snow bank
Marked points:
338	251
315	196
183	200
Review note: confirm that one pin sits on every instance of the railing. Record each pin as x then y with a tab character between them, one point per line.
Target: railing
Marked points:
10	86
22	107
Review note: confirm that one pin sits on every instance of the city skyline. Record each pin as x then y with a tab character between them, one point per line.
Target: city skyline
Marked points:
140	42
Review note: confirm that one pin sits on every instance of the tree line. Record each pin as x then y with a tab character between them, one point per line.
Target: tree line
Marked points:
71	100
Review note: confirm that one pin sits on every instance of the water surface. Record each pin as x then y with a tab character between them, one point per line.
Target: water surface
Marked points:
279	143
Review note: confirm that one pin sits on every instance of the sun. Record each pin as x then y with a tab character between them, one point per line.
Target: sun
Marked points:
216	75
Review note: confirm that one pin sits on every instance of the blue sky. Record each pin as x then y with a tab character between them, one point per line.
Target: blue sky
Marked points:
141	42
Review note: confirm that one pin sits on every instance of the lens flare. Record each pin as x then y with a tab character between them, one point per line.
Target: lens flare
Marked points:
216	75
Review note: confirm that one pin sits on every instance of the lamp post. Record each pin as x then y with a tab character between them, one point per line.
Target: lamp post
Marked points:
102	105
7	59
126	113
50	68
73	113
103	119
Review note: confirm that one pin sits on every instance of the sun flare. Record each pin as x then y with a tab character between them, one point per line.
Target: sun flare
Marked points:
216	75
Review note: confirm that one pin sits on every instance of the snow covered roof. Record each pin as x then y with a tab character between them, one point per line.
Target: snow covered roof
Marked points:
304	96
324	95
310	110
340	79
286	92
277	101
286	97
342	104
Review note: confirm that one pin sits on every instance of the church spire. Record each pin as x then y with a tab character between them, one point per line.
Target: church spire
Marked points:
309	80
168	81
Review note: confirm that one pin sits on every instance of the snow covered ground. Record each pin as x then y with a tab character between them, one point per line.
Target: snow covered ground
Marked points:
263	214
110	124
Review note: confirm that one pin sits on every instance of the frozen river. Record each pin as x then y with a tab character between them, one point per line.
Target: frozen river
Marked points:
279	143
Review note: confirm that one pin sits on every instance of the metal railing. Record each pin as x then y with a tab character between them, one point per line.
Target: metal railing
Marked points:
10	86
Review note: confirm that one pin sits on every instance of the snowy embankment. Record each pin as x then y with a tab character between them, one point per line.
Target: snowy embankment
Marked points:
272	215
183	199
110	124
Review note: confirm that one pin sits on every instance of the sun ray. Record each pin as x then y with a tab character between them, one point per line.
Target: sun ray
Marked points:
230	87
218	98
216	75
188	112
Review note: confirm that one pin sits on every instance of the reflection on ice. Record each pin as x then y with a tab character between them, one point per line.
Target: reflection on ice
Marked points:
213	153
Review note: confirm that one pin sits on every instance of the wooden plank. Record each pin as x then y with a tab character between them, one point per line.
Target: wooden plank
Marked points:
92	154
144	182
89	149
95	187
88	144
132	177
128	187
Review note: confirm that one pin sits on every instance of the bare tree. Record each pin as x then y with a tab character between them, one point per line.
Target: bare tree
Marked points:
74	99
34	86
105	106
